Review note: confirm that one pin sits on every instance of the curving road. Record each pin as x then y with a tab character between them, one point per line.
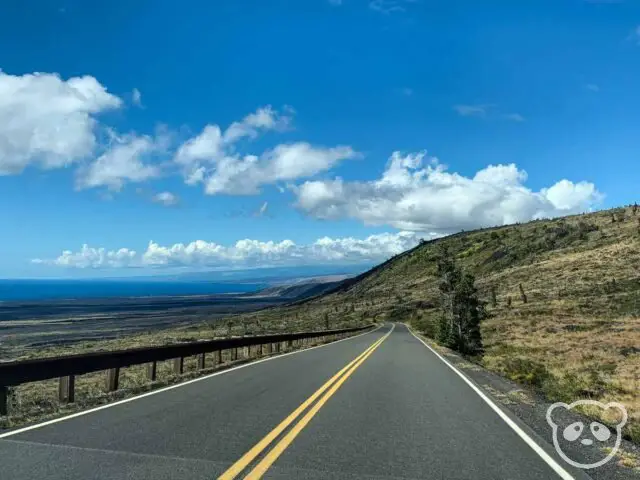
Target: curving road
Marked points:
394	411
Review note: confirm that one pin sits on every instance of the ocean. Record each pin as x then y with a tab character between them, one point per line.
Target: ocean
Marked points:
27	290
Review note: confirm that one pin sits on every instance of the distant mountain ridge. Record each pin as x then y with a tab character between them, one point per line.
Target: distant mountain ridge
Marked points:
302	289
267	275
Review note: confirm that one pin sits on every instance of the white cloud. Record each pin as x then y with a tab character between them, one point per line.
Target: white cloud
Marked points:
418	197
167	199
48	121
89	257
593	87
136	97
262	210
211	158
472	110
245	252
125	160
237	175
214	150
263	119
486	110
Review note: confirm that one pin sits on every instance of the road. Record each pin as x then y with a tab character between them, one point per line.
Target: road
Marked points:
398	412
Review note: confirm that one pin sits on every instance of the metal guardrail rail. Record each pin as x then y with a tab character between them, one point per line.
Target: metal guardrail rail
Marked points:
67	367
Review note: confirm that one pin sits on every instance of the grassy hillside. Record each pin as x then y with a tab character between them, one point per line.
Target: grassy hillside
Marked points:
577	336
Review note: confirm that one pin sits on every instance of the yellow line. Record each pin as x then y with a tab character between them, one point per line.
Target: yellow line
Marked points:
282	445
248	457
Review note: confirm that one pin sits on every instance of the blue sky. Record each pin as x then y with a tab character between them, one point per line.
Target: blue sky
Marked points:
123	137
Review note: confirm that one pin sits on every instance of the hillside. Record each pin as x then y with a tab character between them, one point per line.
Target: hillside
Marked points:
577	336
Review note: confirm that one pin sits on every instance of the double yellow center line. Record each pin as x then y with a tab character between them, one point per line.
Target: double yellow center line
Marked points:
330	387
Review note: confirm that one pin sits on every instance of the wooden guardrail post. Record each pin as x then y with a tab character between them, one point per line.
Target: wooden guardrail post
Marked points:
178	365
152	371
218	357
201	360
4	400
113	379
66	389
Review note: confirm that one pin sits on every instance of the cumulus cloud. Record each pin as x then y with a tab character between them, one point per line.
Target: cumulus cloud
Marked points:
167	199
48	121
210	158
263	119
244	175
423	196
126	159
89	257
247	252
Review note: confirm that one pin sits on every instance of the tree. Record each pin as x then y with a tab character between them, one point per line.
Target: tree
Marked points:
462	310
523	296
449	277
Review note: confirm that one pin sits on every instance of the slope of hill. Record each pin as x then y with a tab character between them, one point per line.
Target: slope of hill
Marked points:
577	335
302	289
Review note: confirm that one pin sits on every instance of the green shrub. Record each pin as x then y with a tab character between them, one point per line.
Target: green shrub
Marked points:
525	371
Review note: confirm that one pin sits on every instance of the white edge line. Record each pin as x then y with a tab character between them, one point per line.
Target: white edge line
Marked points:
177	385
514	426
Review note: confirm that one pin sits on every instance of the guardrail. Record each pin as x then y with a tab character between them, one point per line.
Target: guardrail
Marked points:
67	367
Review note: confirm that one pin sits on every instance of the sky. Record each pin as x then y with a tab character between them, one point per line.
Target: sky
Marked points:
150	136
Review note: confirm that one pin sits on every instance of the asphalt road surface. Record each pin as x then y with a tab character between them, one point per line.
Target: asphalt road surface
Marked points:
377	406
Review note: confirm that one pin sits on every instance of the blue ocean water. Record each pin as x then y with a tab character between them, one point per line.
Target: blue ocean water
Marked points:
12	290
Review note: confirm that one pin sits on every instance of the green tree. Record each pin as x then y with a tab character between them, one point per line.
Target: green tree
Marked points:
462	310
449	277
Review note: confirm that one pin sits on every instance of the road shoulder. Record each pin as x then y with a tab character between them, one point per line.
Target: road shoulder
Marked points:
530	408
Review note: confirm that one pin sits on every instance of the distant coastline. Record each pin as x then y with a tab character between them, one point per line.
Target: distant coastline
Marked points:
21	290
